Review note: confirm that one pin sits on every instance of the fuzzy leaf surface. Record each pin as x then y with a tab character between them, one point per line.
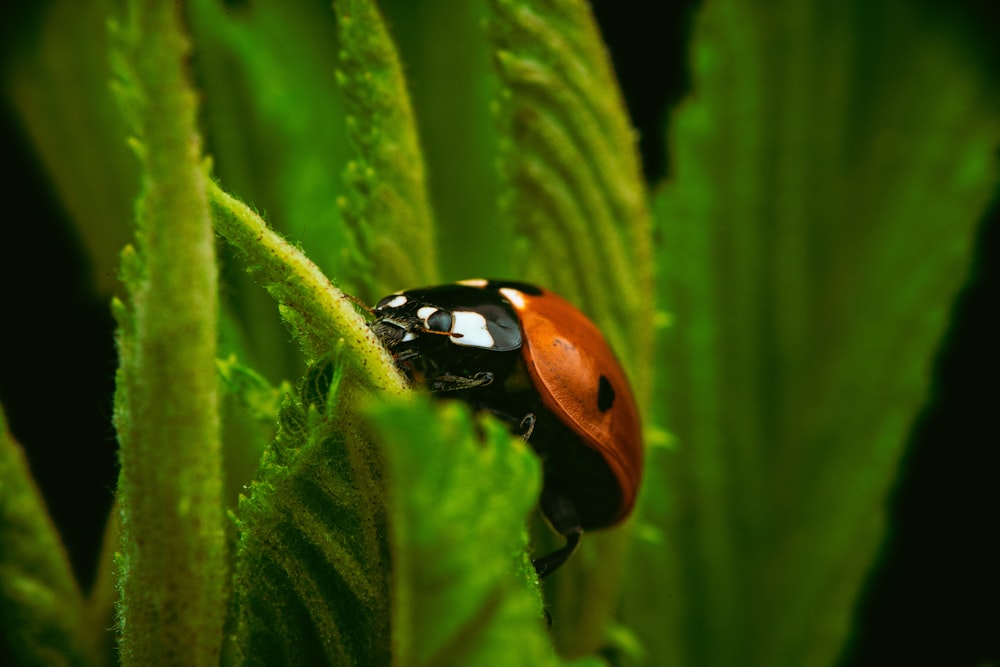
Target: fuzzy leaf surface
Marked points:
386	205
312	575
173	566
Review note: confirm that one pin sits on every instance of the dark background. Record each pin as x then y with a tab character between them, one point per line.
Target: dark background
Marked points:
934	597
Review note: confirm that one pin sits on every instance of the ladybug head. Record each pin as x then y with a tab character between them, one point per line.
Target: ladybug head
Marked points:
404	323
417	321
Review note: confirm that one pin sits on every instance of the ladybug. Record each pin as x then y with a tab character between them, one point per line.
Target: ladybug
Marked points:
532	359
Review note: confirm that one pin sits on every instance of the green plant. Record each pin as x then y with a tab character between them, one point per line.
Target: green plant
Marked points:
817	222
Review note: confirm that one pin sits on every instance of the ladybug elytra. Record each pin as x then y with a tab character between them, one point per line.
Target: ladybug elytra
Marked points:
535	361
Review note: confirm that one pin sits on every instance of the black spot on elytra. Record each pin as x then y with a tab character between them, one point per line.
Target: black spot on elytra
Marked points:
605	395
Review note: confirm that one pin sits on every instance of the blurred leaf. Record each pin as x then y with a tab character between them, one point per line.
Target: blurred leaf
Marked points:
250	406
464	591
275	121
274	125
173	566
386	204
59	88
312	574
818	226
42	612
453	85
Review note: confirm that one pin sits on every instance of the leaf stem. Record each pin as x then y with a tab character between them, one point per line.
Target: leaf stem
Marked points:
318	313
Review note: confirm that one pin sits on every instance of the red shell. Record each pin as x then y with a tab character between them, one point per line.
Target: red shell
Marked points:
566	356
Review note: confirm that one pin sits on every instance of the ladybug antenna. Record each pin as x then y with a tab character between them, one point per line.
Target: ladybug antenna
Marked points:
359	303
450	334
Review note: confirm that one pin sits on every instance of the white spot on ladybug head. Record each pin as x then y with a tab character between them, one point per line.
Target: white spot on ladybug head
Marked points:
395	302
426	312
408	336
470	329
515	297
474	282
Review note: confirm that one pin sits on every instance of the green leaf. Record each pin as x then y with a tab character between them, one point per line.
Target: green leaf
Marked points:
386	205
42	612
459	497
173	568
818	226
312	573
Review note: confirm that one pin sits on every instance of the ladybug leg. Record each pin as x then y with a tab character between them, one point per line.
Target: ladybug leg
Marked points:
406	355
520	428
563	516
458	382
549	563
527	425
